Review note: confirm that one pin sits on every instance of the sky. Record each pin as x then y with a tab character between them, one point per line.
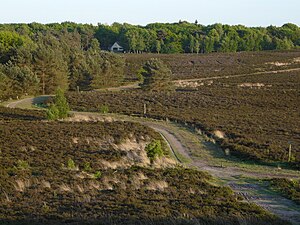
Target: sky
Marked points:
142	12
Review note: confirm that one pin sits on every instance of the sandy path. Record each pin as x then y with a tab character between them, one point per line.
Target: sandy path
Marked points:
251	190
27	102
234	76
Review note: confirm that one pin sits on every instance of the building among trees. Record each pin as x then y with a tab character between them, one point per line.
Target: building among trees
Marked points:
116	47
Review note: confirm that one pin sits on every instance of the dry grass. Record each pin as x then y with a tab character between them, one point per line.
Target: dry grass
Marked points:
84	118
93	185
164	162
142	176
80	188
46	184
123	163
157	185
21	185
7	198
106	184
84	175
65	188
131	144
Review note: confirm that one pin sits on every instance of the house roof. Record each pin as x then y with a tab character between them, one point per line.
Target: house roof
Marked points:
116	45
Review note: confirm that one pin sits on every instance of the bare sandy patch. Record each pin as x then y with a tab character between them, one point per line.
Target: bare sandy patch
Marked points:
157	185
219	134
65	188
85	118
164	162
279	64
296	60
251	85
46	184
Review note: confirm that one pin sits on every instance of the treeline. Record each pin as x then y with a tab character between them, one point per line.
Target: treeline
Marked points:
184	37
37	59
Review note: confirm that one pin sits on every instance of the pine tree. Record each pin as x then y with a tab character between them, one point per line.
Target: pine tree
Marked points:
49	65
61	104
52	112
158	46
157	76
197	46
192	44
60	108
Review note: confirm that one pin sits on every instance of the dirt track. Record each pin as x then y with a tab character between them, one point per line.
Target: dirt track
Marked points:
237	75
27	102
251	190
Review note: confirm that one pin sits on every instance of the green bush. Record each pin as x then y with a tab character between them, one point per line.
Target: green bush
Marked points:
104	109
71	164
22	165
87	167
154	150
97	175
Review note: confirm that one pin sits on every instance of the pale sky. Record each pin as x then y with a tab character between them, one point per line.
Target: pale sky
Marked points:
142	12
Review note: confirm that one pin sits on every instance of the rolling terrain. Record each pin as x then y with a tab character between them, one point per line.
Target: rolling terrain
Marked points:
93	170
257	112
225	132
198	151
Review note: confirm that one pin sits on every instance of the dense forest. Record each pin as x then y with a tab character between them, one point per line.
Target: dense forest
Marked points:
37	58
184	37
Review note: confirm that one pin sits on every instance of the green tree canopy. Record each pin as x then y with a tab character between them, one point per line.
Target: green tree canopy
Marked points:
37	58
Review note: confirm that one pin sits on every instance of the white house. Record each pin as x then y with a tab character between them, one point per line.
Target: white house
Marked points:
116	48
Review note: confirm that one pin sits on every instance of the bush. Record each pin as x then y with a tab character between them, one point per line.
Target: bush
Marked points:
87	167
97	175
71	164
104	109
22	165
154	150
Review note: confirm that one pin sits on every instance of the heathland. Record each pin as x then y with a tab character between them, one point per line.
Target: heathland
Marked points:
207	135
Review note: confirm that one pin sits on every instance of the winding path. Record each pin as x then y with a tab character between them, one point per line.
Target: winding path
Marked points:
240	181
197	151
